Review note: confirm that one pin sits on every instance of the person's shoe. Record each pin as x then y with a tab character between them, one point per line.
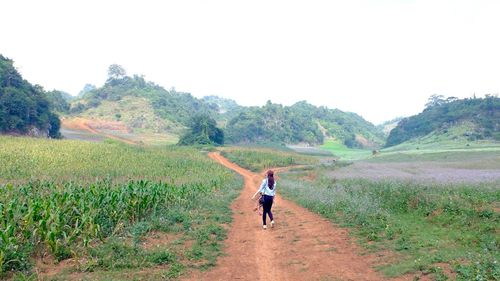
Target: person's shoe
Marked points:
272	223
264	226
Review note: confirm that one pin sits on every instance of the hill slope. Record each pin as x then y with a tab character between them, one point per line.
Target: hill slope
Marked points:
473	119
139	105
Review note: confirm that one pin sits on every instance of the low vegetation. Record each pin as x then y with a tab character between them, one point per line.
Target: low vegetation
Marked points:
99	203
257	159
428	226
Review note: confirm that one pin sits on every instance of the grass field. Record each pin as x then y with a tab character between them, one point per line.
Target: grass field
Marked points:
423	146
72	210
342	152
442	225
257	159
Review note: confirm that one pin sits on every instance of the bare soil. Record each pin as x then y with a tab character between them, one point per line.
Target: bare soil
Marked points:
301	246
96	127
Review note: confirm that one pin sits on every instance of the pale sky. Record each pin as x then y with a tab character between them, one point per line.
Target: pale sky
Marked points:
379	58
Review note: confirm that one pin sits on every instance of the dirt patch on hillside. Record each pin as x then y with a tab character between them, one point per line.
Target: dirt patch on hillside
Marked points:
95	126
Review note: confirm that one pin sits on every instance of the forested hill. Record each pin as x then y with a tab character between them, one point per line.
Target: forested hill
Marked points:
24	108
482	116
301	123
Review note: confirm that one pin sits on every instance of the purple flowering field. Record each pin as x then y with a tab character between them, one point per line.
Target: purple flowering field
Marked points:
440	168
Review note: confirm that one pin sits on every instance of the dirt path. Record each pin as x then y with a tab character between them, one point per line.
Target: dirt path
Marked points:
302	245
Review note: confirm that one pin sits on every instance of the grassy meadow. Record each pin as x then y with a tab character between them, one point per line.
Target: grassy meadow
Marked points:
94	211
438	219
430	144
435	212
343	152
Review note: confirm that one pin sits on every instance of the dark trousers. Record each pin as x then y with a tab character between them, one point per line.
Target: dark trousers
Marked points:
268	203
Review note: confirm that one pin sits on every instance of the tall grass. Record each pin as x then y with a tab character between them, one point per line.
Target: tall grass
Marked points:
426	224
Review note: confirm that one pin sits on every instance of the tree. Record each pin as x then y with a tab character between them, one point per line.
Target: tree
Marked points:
54	126
116	71
202	130
450	99
435	100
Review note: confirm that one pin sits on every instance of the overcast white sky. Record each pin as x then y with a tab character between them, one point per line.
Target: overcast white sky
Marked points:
379	58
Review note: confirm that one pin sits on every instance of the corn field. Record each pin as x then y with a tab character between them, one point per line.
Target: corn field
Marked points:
59	197
257	159
60	218
24	159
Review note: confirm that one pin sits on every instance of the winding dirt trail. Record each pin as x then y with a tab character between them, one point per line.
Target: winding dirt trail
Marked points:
302	245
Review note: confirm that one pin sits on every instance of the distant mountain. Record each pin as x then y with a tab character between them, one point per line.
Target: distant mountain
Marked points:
24	108
479	116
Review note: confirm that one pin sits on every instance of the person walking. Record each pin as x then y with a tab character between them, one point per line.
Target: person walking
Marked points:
268	191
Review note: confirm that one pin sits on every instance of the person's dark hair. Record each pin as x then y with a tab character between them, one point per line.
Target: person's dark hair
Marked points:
270	179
